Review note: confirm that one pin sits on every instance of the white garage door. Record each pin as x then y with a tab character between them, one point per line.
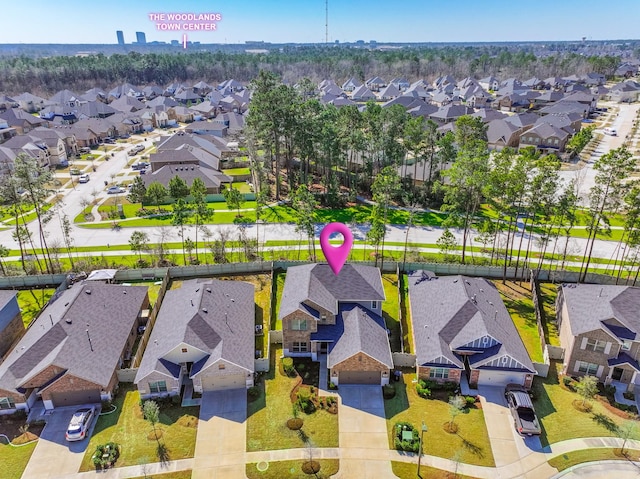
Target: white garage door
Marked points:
500	378
219	383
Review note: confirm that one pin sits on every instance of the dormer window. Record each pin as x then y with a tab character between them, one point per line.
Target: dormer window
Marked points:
626	345
374	305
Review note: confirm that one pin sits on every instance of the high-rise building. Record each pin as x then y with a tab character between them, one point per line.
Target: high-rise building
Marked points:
120	36
141	38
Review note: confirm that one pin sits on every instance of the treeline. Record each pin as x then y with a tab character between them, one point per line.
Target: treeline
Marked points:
51	74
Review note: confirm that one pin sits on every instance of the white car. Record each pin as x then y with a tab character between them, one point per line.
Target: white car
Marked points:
83	178
114	190
79	424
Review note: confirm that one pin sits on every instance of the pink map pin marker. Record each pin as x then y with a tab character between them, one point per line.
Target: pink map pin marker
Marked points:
336	255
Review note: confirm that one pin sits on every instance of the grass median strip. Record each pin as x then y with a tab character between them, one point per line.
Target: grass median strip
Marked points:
565	461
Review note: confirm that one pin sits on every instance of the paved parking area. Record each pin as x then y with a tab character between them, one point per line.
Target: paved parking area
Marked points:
53	455
363	433
222	435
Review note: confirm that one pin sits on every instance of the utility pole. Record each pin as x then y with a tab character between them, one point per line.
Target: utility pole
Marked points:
424	428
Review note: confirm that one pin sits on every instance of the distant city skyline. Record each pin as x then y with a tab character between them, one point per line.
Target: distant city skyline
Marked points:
290	21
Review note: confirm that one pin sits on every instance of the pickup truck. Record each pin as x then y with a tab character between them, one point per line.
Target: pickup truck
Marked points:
521	407
136	149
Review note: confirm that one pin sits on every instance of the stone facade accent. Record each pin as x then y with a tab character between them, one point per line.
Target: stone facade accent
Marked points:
359	362
473	378
11	333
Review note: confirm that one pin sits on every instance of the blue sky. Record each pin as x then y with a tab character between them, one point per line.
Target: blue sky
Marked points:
85	21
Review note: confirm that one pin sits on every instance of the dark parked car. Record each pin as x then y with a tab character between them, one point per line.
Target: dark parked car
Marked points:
521	406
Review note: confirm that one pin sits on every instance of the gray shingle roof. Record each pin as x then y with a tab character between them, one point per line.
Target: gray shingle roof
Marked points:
109	312
317	284
215	316
356	330
449	312
591	305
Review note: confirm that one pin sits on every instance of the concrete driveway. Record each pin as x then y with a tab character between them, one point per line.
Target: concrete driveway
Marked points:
53	455
222	435
363	433
502	434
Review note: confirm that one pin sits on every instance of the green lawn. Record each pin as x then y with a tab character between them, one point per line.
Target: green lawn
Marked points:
471	443
14	459
154	289
278	284
262	298
237	171
407	336
560	420
283	469
267	416
549	293
167	475
391	309
518	299
407	470
128	428
31	302
572	458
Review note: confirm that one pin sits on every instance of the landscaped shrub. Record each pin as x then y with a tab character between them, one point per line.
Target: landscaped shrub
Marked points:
423	392
106	455
388	391
287	364
471	400
566	380
176	400
304	401
412	445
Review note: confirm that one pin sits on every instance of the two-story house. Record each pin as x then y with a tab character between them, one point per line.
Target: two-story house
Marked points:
337	318
600	332
463	332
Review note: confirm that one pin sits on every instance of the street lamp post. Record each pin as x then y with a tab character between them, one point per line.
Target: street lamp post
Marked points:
424	428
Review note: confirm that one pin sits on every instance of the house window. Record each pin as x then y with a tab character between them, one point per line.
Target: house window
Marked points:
323	317
485	340
184	350
587	368
7	403
374	305
596	345
300	347
221	366
626	345
298	324
439	373
158	387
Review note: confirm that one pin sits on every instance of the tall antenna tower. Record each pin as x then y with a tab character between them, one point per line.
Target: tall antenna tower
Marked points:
326	21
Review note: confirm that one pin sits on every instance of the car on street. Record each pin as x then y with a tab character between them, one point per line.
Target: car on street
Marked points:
521	407
141	165
84	178
136	149
114	190
79	424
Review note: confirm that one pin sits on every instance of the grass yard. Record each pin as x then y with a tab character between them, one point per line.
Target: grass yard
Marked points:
278	285
31	302
407	336
561	421
283	469
128	428
167	475
572	458
14	459
262	283
391	310
518	299
237	171
549	293
154	289
470	443
267	416
407	470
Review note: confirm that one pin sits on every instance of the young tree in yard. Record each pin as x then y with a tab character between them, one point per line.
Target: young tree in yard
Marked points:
181	215
151	412
178	188
385	187
456	405
201	213
587	387
139	242
447	243
156	193
234	199
606	196
305	204
376	231
138	191
631	234
262	197
65	226
4	252
627	431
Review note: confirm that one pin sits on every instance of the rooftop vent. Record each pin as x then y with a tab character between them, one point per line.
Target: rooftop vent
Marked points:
205	310
208	290
88	291
68	320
